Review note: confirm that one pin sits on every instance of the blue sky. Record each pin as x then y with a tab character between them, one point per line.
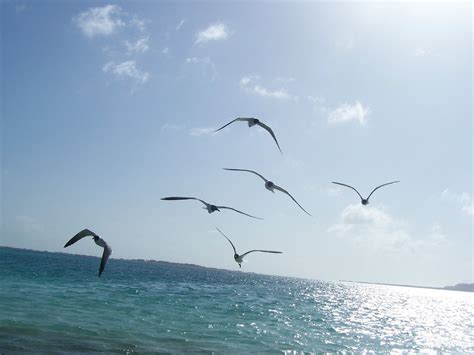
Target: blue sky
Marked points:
107	107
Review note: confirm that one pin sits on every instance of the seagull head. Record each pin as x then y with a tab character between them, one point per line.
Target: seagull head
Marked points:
253	121
270	186
214	208
365	201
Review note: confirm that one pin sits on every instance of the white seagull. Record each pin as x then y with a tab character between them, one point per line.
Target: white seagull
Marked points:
239	259
99	241
252	122
270	186
365	201
210	208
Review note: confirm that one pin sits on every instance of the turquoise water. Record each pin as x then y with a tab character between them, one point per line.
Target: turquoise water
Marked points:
55	302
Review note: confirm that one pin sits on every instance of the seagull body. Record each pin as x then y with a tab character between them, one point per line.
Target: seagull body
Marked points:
239	259
251	121
207	206
365	201
97	240
271	186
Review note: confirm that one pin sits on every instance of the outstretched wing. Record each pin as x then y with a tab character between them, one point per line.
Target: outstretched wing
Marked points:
250	171
83	233
183	198
233	247
105	257
339	183
378	187
264	126
286	192
237	119
233	209
262	251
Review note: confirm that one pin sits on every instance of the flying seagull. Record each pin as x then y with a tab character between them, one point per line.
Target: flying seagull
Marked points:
240	258
270	186
365	201
99	241
252	122
210	208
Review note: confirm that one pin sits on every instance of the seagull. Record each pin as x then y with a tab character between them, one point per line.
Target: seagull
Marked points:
270	186
252	122
239	259
210	208
99	241
365	201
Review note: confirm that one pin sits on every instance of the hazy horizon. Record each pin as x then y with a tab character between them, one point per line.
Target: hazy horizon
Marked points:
108	107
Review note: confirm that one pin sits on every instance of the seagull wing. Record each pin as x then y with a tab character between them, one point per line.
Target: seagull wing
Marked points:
105	257
378	187
183	198
338	183
262	251
264	126
237	119
233	209
286	192
83	233
249	171
233	247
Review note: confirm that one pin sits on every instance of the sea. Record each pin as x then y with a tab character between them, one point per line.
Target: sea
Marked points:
55	303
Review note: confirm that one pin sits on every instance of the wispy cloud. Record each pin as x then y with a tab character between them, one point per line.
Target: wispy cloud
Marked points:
171	127
101	21
139	46
180	24
206	66
199	131
251	84
463	199
127	69
347	112
165	51
212	33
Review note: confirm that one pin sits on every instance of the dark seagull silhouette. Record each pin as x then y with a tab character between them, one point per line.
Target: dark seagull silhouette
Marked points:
239	259
210	208
99	241
252	122
270	186
365	201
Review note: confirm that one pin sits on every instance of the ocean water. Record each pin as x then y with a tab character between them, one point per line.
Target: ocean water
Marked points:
52	302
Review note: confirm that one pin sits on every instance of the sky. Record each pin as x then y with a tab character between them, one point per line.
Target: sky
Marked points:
108	106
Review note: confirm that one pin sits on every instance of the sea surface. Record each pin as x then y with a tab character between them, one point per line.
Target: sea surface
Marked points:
53	302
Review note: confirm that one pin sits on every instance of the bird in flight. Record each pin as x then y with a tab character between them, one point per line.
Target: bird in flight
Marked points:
270	186
210	208
239	259
99	241
252	122
365	201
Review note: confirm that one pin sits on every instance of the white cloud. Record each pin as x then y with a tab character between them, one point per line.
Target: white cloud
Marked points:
349	112
180	24
212	33
165	51
127	69
106	20
420	52
100	20
201	131
375	230
251	85
463	199
140	46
